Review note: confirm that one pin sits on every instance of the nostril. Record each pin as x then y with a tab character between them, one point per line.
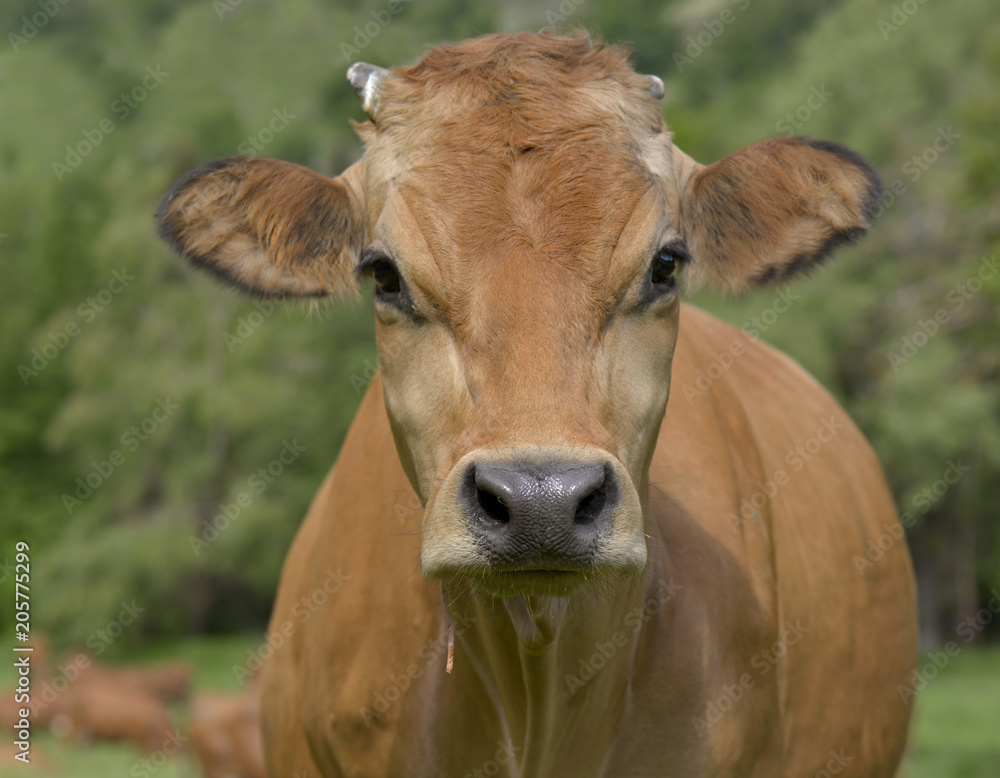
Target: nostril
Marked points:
589	509
492	506
527	499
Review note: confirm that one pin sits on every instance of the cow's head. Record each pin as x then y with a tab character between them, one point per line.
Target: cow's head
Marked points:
525	217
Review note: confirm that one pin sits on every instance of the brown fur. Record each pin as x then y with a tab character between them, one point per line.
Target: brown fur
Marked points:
776	208
225	731
522	185
289	232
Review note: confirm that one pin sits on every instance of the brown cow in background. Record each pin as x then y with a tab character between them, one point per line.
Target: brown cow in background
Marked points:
167	681
225	732
99	701
99	709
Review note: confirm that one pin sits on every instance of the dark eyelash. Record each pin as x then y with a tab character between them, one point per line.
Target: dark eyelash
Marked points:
678	249
370	258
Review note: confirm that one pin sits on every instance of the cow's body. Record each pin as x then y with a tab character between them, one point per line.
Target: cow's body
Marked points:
633	589
719	598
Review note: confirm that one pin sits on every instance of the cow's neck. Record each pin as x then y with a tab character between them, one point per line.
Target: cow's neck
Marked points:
554	672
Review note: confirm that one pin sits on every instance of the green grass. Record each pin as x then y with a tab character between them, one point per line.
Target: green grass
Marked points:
956	731
954	735
100	760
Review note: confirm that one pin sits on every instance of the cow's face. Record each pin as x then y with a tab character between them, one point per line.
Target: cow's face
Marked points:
525	218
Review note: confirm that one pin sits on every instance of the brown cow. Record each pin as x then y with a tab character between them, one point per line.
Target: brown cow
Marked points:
225	731
40	710
630	588
99	709
167	681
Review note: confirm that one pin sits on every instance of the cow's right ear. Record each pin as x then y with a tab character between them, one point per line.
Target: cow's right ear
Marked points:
269	228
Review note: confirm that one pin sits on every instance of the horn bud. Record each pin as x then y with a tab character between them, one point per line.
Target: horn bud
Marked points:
364	79
656	88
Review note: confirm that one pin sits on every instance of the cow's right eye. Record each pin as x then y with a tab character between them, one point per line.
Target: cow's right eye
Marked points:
386	278
388	284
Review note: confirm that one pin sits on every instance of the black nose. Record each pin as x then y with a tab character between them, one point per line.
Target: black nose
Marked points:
530	516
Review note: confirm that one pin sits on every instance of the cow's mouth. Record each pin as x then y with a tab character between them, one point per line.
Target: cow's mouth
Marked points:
514	583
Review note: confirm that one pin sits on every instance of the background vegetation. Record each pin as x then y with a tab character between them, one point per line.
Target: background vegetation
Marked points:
81	364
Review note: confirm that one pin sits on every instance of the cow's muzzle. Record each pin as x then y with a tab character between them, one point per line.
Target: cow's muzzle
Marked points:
534	520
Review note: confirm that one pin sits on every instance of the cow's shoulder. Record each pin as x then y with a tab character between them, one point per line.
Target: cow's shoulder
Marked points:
761	398
762	466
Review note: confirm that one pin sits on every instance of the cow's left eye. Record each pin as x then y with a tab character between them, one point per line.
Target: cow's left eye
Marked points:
661	281
664	266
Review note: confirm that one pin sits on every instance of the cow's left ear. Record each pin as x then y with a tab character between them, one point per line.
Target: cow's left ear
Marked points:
773	210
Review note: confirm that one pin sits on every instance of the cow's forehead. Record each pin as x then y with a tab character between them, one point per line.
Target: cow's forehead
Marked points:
543	81
505	151
499	97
